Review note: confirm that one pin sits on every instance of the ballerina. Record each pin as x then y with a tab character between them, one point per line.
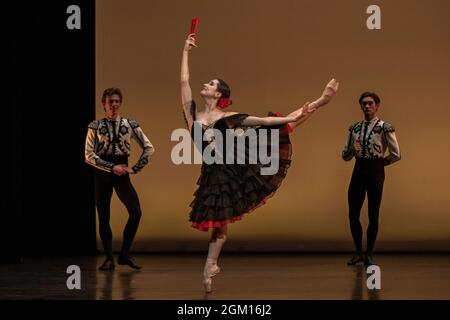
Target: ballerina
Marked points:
226	192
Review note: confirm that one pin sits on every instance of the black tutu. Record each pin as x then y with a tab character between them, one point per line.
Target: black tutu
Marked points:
226	192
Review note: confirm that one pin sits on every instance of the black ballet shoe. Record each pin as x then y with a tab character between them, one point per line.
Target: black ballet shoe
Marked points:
368	260
108	265
355	259
129	261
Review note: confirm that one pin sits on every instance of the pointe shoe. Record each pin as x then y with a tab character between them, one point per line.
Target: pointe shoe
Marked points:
328	94
214	270
208	273
207	283
108	265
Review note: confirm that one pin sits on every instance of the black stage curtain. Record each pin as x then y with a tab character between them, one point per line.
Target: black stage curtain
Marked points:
48	207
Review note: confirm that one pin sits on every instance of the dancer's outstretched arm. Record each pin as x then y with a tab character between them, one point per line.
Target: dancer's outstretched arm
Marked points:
269	121
186	92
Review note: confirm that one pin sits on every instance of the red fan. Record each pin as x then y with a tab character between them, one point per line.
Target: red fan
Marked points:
194	25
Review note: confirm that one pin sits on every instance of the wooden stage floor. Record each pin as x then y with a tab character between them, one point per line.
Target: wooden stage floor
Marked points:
243	277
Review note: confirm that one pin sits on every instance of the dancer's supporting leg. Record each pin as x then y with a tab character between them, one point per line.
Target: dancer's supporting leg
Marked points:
103	194
128	195
356	196
374	194
218	238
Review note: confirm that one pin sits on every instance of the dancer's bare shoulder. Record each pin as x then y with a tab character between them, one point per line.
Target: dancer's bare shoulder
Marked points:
231	113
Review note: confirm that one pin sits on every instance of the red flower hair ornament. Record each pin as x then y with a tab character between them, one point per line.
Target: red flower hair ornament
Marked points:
224	102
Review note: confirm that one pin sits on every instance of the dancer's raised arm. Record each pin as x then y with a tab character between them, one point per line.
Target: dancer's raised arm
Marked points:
186	92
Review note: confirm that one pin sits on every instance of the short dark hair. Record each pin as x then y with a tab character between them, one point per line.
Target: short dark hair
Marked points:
373	95
224	89
110	92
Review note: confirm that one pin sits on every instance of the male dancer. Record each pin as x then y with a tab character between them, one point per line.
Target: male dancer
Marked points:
367	142
107	149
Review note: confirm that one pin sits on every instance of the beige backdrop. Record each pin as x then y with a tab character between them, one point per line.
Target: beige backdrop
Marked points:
276	55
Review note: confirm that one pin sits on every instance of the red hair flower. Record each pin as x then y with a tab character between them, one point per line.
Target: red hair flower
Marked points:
224	102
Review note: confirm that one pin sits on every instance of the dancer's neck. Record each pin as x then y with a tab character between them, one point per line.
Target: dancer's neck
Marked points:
211	106
117	117
369	118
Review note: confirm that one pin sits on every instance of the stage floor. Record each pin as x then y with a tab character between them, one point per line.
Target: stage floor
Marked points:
243	277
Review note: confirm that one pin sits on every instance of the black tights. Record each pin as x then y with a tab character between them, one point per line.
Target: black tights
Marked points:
368	176
104	184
